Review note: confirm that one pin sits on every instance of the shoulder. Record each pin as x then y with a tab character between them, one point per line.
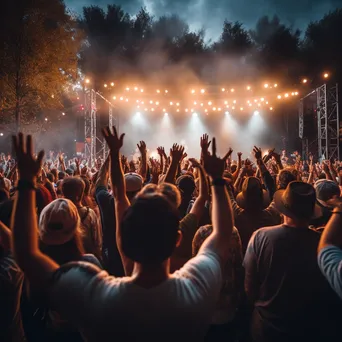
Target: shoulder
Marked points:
92	259
189	220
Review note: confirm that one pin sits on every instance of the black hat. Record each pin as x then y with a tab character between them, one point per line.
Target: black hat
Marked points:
297	201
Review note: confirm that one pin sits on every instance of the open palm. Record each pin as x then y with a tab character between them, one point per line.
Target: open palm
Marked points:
113	140
28	166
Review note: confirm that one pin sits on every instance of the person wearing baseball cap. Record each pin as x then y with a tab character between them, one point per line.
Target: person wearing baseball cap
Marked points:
134	183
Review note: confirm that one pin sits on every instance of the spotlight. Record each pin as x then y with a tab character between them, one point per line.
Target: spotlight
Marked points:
127	89
1	134
232	90
46	119
75	140
286	95
63	113
112	84
166	91
114	97
326	75
227	113
248	87
266	85
87	80
271	108
296	93
105	85
279	97
305	81
223	89
135	88
158	91
193	91
256	112
194	114
202	91
275	85
138	113
210	103
166	114
141	90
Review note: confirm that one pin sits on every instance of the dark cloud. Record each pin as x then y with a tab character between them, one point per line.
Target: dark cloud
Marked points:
210	14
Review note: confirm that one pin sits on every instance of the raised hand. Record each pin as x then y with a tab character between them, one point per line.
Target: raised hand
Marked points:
239	154
142	147
205	143
177	152
28	166
213	165
228	154
77	162
257	153
113	140
161	151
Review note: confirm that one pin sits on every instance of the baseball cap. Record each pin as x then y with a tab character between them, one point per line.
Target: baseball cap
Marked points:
134	182
326	189
58	222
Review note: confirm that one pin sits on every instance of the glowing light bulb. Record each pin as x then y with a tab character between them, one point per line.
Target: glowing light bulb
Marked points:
271	108
157	103
296	93
210	103
177	110
202	91
326	75
286	95
232	90
127	89
166	91
219	109
105	85
305	81
241	108
233	107
112	84
223	89
135	88
214	109
279	97
152	109
195	103
186	110
158	91
171	103
248	87
193	91
121	98
266	85
164	110
234	101
225	102
87	80
166	114
201	104
114	97
126	100
141	90
151	101
262	99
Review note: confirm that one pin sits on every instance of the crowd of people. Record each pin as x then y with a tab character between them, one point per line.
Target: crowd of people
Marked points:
169	249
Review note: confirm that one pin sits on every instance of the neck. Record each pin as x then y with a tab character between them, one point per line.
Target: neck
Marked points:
150	275
288	221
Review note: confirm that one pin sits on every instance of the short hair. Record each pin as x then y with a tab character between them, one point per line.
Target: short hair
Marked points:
149	229
73	188
171	192
50	176
285	177
61	175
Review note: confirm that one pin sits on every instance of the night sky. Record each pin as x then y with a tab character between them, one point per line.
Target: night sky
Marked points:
210	14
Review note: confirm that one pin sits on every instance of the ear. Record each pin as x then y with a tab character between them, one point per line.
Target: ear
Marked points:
179	238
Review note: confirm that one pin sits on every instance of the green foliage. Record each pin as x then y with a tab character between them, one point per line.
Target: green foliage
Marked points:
38	57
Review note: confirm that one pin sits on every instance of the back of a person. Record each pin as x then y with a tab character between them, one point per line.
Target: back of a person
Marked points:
176	309
294	299
248	221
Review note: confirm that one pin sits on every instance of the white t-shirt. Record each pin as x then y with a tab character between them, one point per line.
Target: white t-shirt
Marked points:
107	308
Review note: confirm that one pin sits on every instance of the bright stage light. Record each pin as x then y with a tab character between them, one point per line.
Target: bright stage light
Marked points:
135	88
157	103
227	113
202	91
138	113
271	108
223	89
214	109
141	90
194	114
256	112
105	85
210	103
248	87
279	97
1	134
305	81
127	89
112	84
232	90
46	119
275	85
151	101
171	103
296	93
193	91
326	75
158	91
266	85
87	80
166	114
286	95
166	91
114	97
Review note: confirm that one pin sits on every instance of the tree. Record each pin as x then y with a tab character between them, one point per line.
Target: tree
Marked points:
234	40
322	46
277	45
38	57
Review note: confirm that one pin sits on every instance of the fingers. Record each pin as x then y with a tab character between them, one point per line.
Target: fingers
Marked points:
15	144
214	147
21	143
40	157
29	145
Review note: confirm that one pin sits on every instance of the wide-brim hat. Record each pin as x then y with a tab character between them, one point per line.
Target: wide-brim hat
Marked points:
297	201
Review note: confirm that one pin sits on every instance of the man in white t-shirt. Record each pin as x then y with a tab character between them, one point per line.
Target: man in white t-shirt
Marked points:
151	303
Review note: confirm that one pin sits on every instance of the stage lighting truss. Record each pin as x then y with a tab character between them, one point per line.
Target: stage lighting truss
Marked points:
327	122
94	146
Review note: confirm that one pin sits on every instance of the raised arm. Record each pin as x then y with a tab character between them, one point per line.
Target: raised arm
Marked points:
222	216
37	266
143	164
198	207
115	143
176	153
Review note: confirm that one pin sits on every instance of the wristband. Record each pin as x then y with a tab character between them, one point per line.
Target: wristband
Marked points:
218	182
26	185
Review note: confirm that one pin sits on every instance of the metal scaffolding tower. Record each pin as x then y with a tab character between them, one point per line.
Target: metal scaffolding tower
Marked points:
327	122
94	146
90	125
